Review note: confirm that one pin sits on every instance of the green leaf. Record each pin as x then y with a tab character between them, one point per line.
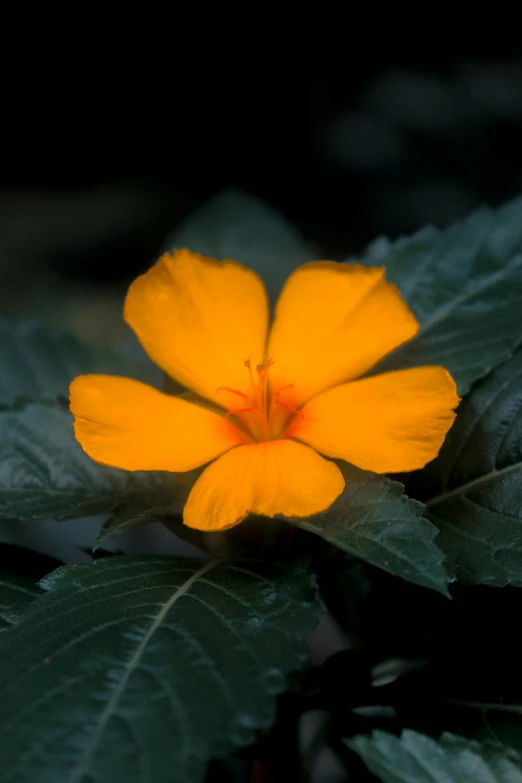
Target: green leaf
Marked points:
45	474
485	719
238	226
16	593
415	758
143	668
465	287
38	364
375	521
473	490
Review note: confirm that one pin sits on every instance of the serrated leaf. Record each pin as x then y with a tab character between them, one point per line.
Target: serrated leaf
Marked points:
238	226
465	287
45	474
16	593
37	363
375	521
483	719
473	490
137	669
416	758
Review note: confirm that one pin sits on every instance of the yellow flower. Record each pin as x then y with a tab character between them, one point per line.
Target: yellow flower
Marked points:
265	402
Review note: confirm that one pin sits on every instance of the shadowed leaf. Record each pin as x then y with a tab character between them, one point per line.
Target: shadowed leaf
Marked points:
473	490
375	521
137	668
465	287
415	758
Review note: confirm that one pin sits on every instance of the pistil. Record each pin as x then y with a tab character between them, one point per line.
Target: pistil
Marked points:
261	415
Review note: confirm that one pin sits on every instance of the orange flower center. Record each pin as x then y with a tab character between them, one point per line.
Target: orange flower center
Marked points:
263	413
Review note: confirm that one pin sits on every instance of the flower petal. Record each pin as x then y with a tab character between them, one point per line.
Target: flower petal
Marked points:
200	320
389	423
129	425
275	477
332	323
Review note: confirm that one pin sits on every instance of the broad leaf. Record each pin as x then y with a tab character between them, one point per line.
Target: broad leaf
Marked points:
45	474
16	593
465	287
134	668
238	226
486	719
473	490
499	721
38	364
375	521
415	758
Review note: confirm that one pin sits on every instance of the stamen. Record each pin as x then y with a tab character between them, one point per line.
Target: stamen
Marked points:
290	408
232	391
248	365
261	401
288	386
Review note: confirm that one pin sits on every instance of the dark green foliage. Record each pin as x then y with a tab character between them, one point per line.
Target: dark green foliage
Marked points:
473	490
465	287
138	667
415	758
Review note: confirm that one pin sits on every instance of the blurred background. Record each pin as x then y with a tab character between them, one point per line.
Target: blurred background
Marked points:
89	193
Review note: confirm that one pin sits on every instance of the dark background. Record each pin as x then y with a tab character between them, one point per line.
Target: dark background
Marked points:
93	182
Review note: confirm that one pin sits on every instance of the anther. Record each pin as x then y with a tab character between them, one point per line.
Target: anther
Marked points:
265	365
